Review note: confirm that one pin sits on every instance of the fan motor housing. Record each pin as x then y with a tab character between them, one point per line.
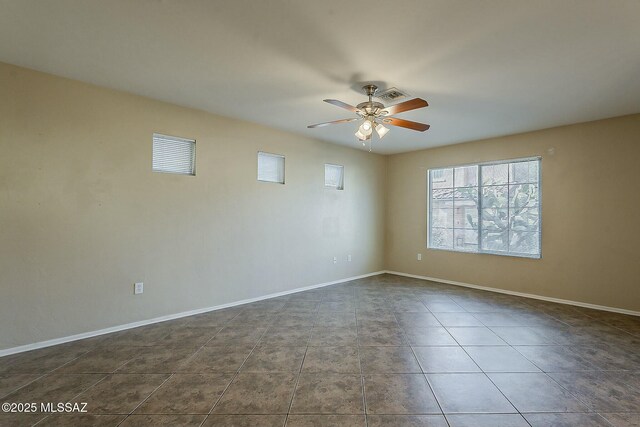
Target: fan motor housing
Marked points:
372	108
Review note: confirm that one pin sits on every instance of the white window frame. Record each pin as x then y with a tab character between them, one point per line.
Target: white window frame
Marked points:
335	187
265	154
177	139
480	250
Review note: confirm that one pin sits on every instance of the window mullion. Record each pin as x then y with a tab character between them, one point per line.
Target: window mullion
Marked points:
480	248
453	209
430	219
509	207
522	237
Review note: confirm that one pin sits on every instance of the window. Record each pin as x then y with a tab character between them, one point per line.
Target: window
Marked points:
270	167
486	208
174	155
334	176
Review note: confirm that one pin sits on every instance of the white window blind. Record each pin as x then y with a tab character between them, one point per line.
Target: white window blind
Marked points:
334	176
172	154
270	167
486	208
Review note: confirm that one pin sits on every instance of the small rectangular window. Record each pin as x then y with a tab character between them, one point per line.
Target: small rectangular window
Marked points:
172	154
486	208
334	176
270	167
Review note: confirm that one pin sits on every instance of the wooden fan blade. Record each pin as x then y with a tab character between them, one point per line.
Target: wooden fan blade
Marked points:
405	124
335	122
411	104
342	105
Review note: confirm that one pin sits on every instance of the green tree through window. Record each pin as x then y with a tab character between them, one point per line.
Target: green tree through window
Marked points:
489	208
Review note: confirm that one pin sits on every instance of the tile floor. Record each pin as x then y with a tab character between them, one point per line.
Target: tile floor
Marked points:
381	351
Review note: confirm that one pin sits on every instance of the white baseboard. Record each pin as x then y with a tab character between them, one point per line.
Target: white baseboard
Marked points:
90	334
519	294
62	340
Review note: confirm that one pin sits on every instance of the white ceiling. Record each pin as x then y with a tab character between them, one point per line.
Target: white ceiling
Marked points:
487	68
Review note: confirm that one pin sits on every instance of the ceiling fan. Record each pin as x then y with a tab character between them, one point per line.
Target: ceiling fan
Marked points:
375	115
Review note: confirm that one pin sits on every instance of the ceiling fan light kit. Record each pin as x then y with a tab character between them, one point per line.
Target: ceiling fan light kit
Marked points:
364	129
374	114
360	135
381	130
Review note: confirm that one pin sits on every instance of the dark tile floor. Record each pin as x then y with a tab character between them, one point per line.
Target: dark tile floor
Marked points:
381	351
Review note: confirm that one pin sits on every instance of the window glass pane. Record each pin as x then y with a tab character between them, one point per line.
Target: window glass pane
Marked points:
334	176
466	216
270	167
495	240
465	240
521	195
495	174
466	199
495	196
442	218
442	194
499	202
495	219
524	242
525	219
442	178
442	238
466	176
495	230
441	204
523	172
172	154
466	193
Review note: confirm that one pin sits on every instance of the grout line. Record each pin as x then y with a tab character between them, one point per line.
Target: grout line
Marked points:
150	394
575	396
362	382
480	368
24	385
203	346
77	395
295	387
386	288
174	316
517	294
235	375
424	375
490	380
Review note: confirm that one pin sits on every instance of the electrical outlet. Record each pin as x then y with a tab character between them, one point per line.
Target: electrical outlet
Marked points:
419	257
349	258
335	259
138	288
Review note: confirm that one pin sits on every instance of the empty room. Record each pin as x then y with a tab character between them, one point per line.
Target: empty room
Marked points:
288	213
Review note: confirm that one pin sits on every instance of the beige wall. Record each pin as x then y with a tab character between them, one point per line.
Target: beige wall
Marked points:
82	217
590	214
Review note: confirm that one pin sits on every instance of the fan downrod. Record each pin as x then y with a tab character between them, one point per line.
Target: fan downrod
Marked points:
370	108
370	90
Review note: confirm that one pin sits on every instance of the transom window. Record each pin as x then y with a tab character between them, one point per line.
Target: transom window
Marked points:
270	167
486	208
334	176
172	154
